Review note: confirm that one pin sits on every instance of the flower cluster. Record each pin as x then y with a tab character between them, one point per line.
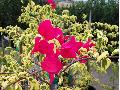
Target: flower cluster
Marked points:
52	3
54	44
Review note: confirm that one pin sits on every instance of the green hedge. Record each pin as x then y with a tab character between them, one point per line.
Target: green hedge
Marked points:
105	12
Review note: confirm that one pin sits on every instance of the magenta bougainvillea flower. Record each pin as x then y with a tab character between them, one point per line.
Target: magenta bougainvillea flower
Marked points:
52	3
52	65
60	39
44	26
83	60
42	46
53	6
88	44
48	31
70	48
36	45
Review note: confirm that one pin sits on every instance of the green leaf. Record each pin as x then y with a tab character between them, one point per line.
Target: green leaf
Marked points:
34	85
10	88
56	80
103	55
106	63
4	84
116	51
18	87
22	1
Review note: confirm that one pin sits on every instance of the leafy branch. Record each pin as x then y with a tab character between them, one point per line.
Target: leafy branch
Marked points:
21	78
41	79
74	61
77	60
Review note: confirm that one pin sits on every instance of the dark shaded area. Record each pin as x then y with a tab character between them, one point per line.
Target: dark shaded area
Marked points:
114	58
91	88
10	10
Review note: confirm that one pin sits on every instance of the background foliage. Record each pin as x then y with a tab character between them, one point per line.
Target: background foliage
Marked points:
102	11
10	10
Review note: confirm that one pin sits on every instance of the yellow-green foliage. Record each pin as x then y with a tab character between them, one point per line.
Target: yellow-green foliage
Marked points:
112	33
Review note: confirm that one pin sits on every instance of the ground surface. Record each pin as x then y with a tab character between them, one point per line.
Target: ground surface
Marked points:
105	78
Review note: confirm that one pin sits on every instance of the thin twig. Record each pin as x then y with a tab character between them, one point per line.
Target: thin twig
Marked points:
74	61
113	57
41	79
6	73
44	81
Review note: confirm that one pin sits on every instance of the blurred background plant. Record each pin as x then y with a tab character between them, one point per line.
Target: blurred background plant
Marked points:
104	11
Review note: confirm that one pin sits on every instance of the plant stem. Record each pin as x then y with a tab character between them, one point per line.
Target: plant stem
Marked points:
88	66
9	42
6	73
3	45
74	61
40	78
20	48
53	87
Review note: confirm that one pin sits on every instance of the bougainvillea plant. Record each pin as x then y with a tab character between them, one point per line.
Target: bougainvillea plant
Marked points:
55	45
62	51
